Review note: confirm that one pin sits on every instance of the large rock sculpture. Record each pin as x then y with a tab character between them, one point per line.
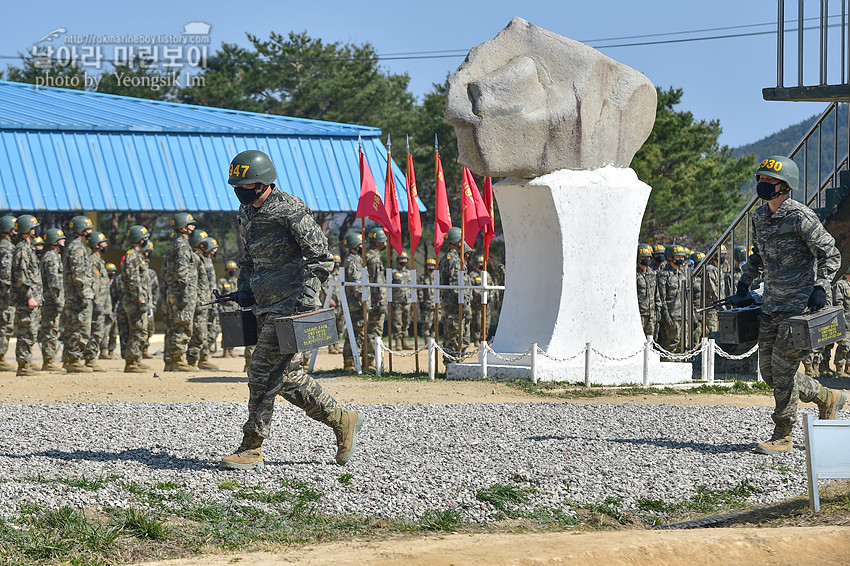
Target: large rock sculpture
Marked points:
563	122
563	104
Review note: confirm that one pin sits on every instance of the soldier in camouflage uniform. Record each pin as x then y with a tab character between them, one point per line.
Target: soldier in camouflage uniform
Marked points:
7	309
658	257
153	289
286	259
335	304
476	323
53	290
227	285
672	286
426	298
353	265
450	267
402	301
102	300
110	333
798	259
213	321
649	302
841	298
198	349
136	298
79	296
180	281
377	314
26	293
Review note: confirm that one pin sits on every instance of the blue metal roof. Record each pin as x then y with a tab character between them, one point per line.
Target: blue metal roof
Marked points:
69	150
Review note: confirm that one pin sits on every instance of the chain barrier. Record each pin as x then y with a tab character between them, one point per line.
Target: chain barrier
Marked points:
746	354
685	356
508	359
614	359
400	355
454	355
546	355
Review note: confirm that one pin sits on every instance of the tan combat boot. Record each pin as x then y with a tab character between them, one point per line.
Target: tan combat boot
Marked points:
346	425
169	365
7	366
780	442
104	356
146	355
204	363
248	456
25	369
824	369
407	345
839	370
95	366
809	369
348	364
76	366
133	365
829	402
178	363
50	365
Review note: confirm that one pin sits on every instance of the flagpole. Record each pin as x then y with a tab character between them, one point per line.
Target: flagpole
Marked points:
462	268
415	307
365	349
436	255
389	258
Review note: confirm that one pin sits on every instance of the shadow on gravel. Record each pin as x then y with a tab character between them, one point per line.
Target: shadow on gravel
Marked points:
219	379
660	442
144	456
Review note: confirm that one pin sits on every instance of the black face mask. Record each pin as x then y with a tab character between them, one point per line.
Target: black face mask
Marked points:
679	261
768	191
645	261
232	272
246	196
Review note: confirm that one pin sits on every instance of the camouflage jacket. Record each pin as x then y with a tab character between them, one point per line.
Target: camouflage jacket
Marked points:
77	270
671	291
794	252
715	285
449	270
180	273
475	277
134	278
402	277
426	296
100	285
841	296
204	290
377	274
7	249
52	284
210	271
116	291
226	285
153	286
285	252
649	301
353	266
26	276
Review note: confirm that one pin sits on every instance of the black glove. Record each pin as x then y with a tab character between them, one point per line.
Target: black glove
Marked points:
244	298
817	300
741	298
306	301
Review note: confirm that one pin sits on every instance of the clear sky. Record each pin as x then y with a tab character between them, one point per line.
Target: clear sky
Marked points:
722	78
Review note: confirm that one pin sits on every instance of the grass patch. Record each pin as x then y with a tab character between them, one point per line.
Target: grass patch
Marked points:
345	479
566	391
141	524
446	520
504	497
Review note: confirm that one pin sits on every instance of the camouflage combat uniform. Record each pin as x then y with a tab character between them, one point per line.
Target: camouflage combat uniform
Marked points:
213	322
285	252
154	293
402	301
180	279
426	303
26	284
136	301
198	345
7	308
795	254
841	296
449	270
226	285
353	265
53	290
377	314
79	298
110	332
121	324
672	285
476	326
102	307
715	289
649	302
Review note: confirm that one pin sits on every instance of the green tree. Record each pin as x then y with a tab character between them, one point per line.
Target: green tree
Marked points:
696	183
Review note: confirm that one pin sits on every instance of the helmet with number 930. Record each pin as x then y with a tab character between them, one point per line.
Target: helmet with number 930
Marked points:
780	167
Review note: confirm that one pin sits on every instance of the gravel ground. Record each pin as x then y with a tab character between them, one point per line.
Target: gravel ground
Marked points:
411	458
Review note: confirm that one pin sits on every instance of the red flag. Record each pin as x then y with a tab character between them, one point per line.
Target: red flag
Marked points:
442	214
391	203
490	228
370	204
475	216
414	222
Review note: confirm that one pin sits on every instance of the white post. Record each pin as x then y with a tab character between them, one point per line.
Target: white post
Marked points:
759	378
704	373
534	362
349	328
587	354
647	349
431	358
379	355
710	356
482	358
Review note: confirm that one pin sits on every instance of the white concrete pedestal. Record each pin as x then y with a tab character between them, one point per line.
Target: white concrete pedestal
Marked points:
570	240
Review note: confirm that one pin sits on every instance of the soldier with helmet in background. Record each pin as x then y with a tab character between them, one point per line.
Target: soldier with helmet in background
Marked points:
180	279
402	301
226	285
377	313
102	300
7	309
450	267
213	322
197	351
696	294
476	276
335	303
649	302
53	291
136	298
153	288
38	246
285	261
79	295
110	335
427	298
672	285
352	267
658	257
26	293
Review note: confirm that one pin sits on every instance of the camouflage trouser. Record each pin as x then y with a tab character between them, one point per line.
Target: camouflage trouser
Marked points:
27	322
77	328
272	373
213	329
648	324
357	324
842	352
375	327
123	329
98	333
198	343
110	334
401	319
670	334
493	312
475	325
7	327
178	328
778	362
339	315
711	322
137	325
426	316
48	332
451	327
